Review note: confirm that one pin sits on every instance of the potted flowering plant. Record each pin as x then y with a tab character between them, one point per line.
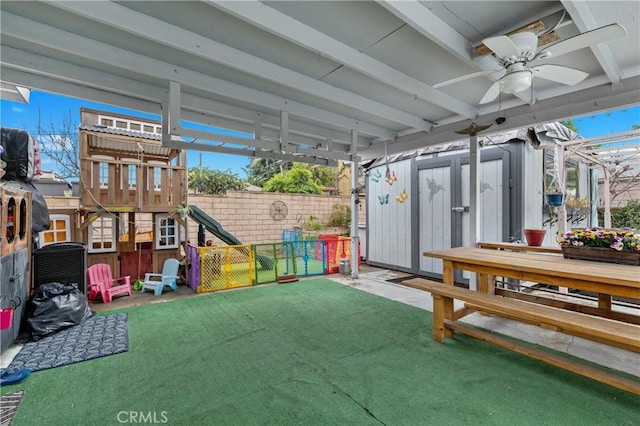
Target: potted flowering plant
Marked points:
605	245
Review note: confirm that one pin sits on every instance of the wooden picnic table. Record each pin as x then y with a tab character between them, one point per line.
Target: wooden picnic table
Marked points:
604	279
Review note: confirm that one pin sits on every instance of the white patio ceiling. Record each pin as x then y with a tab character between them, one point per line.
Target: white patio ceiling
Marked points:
329	73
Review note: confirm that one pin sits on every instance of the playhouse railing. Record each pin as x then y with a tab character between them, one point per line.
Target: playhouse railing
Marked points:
116	183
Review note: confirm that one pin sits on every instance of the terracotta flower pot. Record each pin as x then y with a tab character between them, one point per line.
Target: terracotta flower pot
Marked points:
534	237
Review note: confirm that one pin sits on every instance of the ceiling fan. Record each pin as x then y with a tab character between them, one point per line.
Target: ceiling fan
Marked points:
518	54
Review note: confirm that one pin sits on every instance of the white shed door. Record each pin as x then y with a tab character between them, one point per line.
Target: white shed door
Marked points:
490	201
435	191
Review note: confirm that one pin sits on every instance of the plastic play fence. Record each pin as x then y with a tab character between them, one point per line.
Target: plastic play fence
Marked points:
224	267
279	262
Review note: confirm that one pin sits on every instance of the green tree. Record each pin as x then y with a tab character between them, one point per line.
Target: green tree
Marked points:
298	180
216	182
260	170
325	176
569	124
340	216
626	217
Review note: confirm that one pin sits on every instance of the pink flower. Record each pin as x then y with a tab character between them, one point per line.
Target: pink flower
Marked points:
577	243
617	245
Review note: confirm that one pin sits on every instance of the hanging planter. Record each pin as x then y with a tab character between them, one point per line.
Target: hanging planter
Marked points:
554	194
555	199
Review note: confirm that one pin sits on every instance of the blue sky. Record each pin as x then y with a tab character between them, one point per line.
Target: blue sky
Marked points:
53	107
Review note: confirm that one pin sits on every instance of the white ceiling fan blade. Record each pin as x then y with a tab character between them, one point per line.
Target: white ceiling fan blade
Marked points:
464	77
580	41
502	46
561	74
492	93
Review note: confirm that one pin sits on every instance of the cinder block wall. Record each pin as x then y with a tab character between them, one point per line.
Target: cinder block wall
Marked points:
247	216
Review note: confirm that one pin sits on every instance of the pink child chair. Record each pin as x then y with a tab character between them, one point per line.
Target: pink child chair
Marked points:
101	282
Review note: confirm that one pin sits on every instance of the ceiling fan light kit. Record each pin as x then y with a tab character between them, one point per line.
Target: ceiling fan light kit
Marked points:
516	81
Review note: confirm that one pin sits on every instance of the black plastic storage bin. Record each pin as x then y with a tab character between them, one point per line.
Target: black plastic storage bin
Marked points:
61	262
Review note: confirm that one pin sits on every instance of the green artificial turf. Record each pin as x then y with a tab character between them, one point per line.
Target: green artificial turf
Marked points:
311	352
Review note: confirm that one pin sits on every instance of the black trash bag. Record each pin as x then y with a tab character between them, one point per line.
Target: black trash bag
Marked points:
56	306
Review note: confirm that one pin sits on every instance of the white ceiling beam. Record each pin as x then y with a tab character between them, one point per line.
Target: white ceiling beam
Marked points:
268	131
583	18
64	88
275	22
195	107
128	62
142	25
252	153
11	92
227	139
574	104
71	73
421	19
435	29
220	112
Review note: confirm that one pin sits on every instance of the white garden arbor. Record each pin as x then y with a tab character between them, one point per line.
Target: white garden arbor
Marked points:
616	156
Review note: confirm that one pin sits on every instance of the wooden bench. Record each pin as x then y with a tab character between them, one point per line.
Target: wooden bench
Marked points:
519	247
603	330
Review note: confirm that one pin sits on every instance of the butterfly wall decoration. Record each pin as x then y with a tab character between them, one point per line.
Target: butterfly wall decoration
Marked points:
391	178
384	199
376	176
402	197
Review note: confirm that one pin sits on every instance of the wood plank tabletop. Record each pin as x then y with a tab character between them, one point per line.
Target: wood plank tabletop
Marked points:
542	264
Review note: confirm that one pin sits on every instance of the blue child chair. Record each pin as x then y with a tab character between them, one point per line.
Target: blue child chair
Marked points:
167	278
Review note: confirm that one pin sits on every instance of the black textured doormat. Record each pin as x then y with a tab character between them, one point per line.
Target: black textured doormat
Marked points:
96	337
8	406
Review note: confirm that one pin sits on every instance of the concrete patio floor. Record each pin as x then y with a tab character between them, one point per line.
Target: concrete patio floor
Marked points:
375	280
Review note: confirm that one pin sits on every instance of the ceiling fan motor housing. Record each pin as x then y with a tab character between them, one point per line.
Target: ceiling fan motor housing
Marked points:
526	44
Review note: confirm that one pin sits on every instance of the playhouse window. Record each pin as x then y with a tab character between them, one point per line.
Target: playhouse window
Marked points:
102	234
59	230
104	175
132	176
166	232
156	168
157	178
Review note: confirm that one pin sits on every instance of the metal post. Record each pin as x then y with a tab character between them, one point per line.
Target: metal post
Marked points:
606	197
354	204
561	211
474	193
474	208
